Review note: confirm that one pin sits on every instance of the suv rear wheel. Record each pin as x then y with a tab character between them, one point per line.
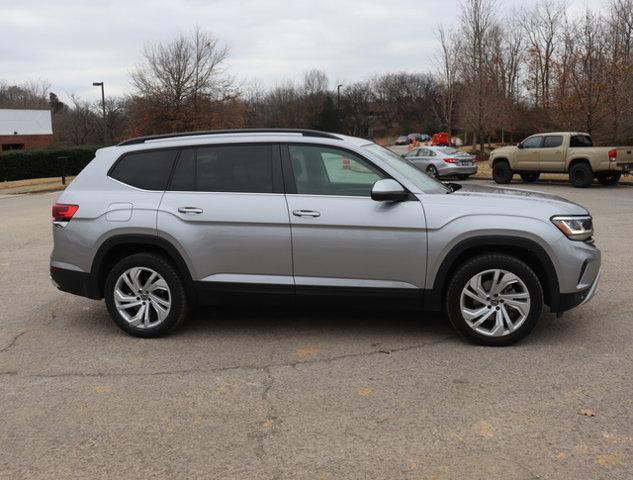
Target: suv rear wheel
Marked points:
494	299
580	175
501	172
608	178
145	295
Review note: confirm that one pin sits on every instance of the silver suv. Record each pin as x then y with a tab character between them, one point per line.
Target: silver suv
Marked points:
158	225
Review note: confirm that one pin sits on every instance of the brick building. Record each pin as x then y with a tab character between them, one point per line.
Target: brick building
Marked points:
23	129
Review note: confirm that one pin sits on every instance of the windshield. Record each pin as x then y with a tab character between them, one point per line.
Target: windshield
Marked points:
424	182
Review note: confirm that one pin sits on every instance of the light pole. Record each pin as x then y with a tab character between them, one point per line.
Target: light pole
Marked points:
105	123
338	95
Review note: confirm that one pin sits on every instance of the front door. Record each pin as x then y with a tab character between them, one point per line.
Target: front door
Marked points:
340	236
225	210
527	157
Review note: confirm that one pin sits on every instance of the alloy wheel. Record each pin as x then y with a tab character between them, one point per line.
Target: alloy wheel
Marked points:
142	297
495	302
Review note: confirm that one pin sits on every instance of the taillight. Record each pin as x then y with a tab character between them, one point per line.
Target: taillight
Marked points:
63	212
613	154
451	160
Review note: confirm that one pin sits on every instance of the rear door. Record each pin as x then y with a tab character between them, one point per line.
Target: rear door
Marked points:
552	154
225	210
340	236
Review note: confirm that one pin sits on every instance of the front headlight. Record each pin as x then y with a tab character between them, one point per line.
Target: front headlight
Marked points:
577	227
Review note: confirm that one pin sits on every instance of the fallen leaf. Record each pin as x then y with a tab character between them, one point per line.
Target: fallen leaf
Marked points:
103	389
586	412
607	460
364	392
307	351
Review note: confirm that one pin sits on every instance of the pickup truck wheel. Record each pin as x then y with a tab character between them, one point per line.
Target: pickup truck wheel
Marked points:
608	178
145	295
494	299
580	175
530	177
501	172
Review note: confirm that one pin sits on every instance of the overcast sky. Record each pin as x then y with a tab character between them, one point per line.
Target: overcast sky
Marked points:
71	43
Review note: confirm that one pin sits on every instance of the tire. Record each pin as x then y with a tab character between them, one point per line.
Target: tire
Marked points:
432	171
530	177
608	178
462	177
580	175
495	329
501	172
168	297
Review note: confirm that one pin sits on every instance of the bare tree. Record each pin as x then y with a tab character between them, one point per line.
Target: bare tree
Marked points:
542	25
447	75
477	25
183	70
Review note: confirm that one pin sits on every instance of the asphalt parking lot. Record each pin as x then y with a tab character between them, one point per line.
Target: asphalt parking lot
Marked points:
289	394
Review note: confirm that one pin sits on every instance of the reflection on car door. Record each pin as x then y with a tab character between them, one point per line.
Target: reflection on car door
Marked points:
552	154
340	236
225	207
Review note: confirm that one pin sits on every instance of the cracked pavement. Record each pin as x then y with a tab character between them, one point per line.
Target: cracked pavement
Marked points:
271	393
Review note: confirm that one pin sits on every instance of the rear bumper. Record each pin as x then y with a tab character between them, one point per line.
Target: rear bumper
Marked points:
452	169
71	281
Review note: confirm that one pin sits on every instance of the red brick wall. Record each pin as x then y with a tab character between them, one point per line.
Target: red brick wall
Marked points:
29	141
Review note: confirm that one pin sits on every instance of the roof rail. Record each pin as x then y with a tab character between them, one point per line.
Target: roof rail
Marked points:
305	133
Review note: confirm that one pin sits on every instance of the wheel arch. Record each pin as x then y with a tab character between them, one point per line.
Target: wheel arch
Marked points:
120	246
575	160
525	249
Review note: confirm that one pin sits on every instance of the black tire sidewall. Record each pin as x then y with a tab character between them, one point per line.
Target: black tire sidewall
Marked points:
432	171
585	172
501	172
179	304
486	262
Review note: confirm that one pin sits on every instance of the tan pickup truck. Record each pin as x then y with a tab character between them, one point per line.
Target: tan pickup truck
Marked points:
562	152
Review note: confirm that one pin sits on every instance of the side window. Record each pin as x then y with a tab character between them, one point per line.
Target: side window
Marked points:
425	152
146	170
225	168
580	141
553	141
320	170
532	142
413	153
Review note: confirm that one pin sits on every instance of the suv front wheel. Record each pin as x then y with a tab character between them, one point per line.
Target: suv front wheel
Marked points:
494	299
145	295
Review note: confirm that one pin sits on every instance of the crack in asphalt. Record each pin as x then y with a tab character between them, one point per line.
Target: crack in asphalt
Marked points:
13	342
264	368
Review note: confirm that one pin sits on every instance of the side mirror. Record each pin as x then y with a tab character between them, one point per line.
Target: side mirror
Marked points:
519	145
388	190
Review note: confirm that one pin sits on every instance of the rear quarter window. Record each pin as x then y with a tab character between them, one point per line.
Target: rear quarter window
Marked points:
145	170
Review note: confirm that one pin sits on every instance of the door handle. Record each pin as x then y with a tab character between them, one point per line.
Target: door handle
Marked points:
306	213
190	210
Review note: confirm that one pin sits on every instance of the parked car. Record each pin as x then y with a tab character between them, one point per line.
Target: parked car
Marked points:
419	137
442	162
403	140
562	152
157	225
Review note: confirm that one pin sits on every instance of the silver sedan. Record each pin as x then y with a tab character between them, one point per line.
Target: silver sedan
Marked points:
443	162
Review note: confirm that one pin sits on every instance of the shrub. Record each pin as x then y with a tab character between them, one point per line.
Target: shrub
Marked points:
23	164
